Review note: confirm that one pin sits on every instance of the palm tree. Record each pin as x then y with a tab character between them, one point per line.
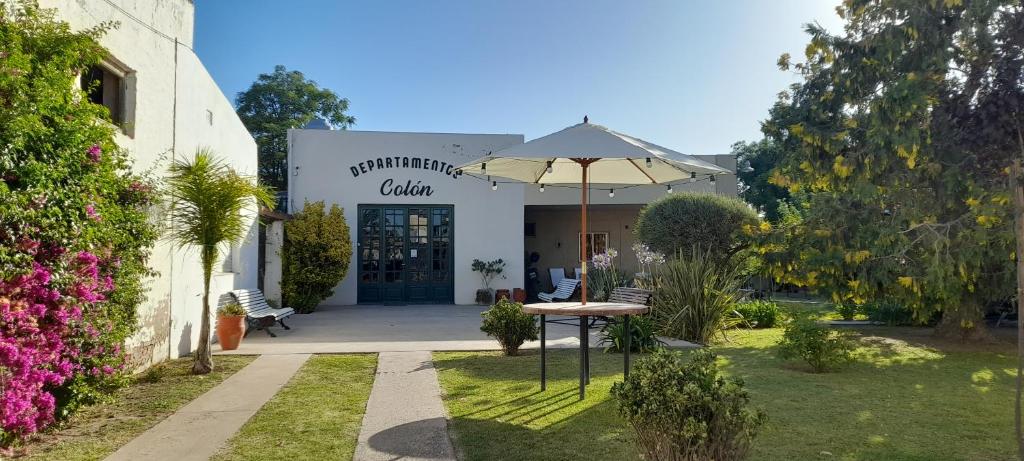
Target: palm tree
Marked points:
206	200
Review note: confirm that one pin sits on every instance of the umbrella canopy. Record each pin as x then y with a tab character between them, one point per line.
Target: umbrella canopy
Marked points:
616	158
588	153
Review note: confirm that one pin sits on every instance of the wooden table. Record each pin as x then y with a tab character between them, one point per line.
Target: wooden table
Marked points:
583	311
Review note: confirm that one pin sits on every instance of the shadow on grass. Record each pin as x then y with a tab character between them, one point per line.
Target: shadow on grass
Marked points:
562	364
569	431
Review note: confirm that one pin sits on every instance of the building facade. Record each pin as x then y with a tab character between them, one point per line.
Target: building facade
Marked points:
167	105
418	224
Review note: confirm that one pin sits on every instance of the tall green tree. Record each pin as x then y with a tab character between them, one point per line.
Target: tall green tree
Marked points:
756	162
277	102
207	198
898	142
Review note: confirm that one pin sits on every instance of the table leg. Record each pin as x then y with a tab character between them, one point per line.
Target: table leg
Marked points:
583	359
586	347
629	337
543	364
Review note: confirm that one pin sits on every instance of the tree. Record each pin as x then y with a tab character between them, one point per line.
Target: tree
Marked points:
207	198
682	222
757	160
277	102
316	255
897	143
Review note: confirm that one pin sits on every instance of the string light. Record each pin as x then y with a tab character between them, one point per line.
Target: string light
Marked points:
649	162
611	192
483	168
549	167
494	185
541	188
668	189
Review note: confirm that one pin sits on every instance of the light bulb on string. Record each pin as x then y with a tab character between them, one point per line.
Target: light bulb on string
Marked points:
549	167
541	189
611	192
668	189
649	164
494	185
483	168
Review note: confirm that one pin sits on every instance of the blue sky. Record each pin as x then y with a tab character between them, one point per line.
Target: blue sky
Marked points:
693	76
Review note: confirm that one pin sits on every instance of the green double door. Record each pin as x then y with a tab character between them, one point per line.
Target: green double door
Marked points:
405	254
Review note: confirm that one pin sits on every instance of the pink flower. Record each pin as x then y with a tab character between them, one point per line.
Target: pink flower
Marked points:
90	211
94	153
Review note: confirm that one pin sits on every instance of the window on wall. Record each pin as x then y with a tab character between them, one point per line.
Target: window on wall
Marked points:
112	86
597	243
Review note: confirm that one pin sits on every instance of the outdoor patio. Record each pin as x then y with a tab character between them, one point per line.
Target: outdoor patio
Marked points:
375	328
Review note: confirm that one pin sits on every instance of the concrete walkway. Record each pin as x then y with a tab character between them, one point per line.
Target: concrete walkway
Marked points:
365	328
404	418
199	429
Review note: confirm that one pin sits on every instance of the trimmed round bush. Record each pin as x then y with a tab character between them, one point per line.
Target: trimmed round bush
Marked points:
685	410
681	222
506	322
824	349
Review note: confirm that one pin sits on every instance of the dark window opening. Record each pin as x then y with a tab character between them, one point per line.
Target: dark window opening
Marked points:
105	88
530	229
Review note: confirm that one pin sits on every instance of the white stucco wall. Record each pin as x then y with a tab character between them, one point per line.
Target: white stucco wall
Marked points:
170	121
488	224
206	119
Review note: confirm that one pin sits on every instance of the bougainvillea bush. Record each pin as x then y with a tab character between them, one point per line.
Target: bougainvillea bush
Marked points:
74	233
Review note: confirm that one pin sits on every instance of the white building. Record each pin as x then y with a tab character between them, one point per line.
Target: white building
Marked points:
417	224
167	106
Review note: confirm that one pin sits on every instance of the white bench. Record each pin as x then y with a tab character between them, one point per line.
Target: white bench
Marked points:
259	314
564	290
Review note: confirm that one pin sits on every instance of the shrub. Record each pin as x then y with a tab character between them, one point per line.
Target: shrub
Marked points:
694	296
681	222
74	234
889	312
506	322
686	410
824	349
644	339
489	270
847	311
316	255
758	313
230	309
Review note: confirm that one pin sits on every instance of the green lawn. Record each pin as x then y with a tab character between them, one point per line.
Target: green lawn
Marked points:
317	415
912	398
99	430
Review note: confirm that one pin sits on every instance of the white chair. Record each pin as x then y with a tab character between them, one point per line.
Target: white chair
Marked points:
564	290
579	273
557	274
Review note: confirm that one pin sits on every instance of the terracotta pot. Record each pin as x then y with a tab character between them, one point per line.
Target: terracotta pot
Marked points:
519	295
230	330
502	294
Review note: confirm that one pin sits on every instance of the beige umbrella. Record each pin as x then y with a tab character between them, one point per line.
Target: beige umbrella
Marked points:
587	153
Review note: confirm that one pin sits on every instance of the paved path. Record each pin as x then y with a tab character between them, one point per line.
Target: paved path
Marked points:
199	429
345	329
404	418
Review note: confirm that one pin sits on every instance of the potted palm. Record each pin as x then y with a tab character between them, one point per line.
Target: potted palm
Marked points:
207	198
488	270
230	326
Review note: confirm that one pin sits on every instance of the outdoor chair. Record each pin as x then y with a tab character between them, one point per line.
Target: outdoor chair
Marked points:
579	273
564	290
258	314
557	274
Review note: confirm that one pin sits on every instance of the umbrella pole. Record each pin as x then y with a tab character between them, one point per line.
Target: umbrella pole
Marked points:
584	162
583	236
